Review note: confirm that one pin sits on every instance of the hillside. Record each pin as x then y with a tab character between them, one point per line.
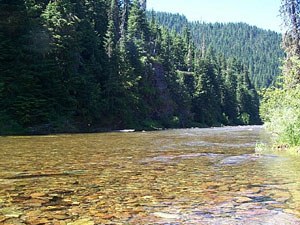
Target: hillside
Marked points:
259	49
77	66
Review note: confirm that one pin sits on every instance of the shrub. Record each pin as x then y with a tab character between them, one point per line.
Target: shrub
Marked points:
280	110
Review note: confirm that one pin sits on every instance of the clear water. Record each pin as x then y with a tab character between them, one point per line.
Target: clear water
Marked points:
184	176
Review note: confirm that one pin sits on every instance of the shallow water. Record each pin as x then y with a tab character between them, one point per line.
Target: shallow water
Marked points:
185	176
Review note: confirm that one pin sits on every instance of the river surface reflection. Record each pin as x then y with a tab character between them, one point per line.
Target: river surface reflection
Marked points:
184	176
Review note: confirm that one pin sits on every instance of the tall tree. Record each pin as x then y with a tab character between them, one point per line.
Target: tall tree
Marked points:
258	49
143	4
69	65
22	66
290	11
124	21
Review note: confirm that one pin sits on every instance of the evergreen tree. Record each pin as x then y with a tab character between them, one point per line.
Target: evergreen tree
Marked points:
80	65
21	67
258	49
290	10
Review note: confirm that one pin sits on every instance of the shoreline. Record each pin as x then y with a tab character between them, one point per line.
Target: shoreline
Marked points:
125	130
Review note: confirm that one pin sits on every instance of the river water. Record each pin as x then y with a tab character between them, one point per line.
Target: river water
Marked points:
184	176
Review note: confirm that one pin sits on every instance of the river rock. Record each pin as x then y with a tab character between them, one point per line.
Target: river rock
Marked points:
236	160
281	196
239	159
166	215
82	222
37	195
242	200
36	221
11	212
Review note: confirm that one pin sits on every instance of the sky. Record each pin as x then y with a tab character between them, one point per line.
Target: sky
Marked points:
261	13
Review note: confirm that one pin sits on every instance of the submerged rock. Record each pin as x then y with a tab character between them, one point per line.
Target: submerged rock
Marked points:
166	215
165	158
239	159
242	199
235	160
82	222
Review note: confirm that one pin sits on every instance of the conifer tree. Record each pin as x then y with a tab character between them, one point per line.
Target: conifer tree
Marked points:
72	65
21	76
290	10
124	22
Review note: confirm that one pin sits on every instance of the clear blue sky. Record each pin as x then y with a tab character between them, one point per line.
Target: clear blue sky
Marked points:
262	13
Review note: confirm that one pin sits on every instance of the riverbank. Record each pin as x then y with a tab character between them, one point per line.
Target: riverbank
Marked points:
47	130
280	111
68	128
269	147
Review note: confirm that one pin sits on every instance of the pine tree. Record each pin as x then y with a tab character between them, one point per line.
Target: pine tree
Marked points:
290	11
138	29
80	65
258	49
143	4
124	22
21	67
230	105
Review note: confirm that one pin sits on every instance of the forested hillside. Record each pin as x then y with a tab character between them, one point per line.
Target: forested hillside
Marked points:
99	64
257	48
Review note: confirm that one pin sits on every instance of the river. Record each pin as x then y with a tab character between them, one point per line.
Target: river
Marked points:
184	176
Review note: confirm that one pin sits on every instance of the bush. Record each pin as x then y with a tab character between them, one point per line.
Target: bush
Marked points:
280	110
244	118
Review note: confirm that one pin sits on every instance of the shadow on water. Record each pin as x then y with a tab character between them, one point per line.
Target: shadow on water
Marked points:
185	176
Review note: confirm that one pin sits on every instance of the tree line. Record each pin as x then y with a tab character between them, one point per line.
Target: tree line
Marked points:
86	65
259	49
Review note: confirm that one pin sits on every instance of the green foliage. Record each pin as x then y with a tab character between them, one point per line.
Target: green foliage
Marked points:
9	126
258	49
151	125
280	110
88	65
244	118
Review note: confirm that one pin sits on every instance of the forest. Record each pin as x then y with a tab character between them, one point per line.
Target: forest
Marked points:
94	65
257	48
